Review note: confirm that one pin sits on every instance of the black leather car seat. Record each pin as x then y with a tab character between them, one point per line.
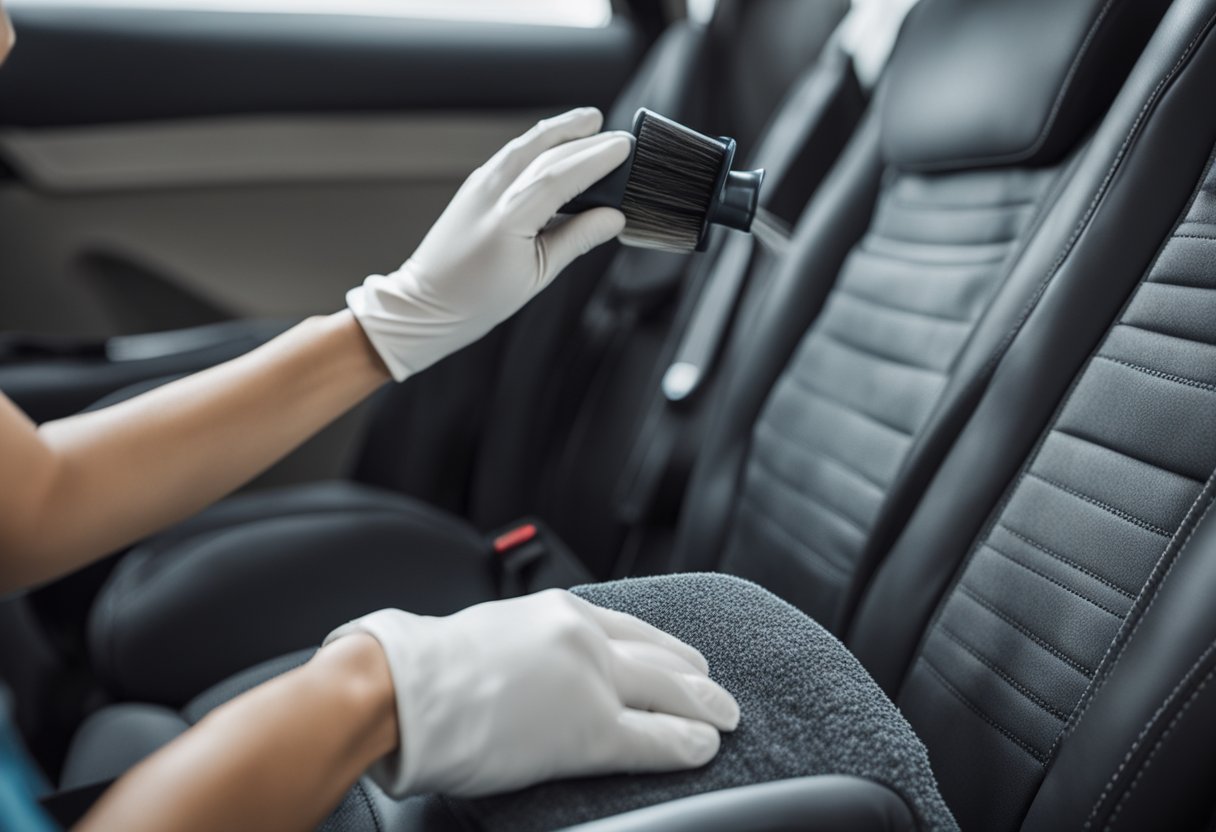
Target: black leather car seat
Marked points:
928	298
1060	677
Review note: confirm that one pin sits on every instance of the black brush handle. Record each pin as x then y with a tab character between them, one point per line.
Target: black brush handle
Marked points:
606	193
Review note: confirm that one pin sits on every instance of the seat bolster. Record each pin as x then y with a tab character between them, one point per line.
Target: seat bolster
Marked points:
824	802
114	739
1143	731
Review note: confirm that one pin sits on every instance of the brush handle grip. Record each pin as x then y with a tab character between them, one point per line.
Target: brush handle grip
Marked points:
607	193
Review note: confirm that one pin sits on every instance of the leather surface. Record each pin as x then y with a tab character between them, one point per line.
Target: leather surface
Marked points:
1042	596
759	49
781	311
191	607
826	802
865	380
1153	150
978	83
563	423
114	739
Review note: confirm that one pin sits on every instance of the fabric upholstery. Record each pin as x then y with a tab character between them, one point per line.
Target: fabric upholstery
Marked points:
808	708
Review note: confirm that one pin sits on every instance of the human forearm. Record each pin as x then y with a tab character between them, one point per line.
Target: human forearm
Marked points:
120	473
278	757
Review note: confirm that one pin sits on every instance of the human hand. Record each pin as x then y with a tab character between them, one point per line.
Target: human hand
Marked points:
511	693
493	249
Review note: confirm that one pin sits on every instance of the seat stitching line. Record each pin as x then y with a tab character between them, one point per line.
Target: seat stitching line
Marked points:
1003	676
1099	194
917	205
975	709
1051	580
798	489
901	309
891	238
1168	334
799	445
1066	561
1157	747
1091	441
1149	371
1114	650
863	248
877	356
806	386
800	544
1026	631
1172	281
1144	729
1195	237
1117	512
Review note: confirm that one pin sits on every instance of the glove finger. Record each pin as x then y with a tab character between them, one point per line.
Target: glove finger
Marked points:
522	151
575	237
534	199
622	626
545	161
648	742
644	686
653	654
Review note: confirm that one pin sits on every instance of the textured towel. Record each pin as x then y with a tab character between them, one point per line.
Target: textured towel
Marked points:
808	708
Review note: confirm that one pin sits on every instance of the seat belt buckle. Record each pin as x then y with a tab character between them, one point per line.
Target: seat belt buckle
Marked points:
529	556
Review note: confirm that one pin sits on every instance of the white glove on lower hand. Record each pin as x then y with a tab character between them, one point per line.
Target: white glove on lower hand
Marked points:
490	251
510	693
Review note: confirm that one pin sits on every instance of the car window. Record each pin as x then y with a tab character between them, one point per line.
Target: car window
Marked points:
584	13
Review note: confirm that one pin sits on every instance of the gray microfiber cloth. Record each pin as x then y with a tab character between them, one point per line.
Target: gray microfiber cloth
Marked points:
808	707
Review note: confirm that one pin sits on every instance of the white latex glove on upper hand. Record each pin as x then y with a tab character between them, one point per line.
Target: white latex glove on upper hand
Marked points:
510	693
490	251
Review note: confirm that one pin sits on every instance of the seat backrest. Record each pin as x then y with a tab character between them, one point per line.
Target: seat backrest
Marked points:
757	50
1044	619
546	412
908	273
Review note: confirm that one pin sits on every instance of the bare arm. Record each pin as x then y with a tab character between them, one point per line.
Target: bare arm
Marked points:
278	757
78	488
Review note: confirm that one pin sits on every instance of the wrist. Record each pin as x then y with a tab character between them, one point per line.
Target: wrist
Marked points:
358	670
346	328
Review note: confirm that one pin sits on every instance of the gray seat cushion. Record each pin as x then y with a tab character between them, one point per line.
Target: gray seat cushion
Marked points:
808	708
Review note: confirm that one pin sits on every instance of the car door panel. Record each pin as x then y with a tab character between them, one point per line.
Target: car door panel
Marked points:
251	164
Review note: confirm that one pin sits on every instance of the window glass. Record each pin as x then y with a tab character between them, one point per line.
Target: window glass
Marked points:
552	12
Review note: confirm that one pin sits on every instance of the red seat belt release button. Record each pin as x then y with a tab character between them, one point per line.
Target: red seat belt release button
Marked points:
514	538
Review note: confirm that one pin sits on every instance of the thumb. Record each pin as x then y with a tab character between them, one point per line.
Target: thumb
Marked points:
577	236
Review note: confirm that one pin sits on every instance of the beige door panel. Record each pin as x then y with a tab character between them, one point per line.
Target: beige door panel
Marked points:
258	216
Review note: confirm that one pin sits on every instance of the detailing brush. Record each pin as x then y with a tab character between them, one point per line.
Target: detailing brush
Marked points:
674	184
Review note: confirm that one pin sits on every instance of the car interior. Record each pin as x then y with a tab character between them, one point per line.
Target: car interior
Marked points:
959	411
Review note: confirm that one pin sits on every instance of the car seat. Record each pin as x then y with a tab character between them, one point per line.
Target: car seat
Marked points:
1044	619
992	239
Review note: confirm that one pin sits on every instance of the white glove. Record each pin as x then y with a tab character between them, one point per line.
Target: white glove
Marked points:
490	251
510	693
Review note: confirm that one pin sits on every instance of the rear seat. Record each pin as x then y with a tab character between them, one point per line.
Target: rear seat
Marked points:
928	299
1044	617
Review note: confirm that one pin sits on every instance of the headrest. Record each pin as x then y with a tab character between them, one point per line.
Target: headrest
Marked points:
986	83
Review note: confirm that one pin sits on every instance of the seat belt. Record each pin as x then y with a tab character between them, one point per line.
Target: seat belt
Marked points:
804	138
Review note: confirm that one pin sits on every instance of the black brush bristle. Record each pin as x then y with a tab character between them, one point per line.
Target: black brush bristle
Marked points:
673	183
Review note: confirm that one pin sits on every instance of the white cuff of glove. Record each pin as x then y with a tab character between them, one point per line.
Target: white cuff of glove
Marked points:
404	639
507	694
